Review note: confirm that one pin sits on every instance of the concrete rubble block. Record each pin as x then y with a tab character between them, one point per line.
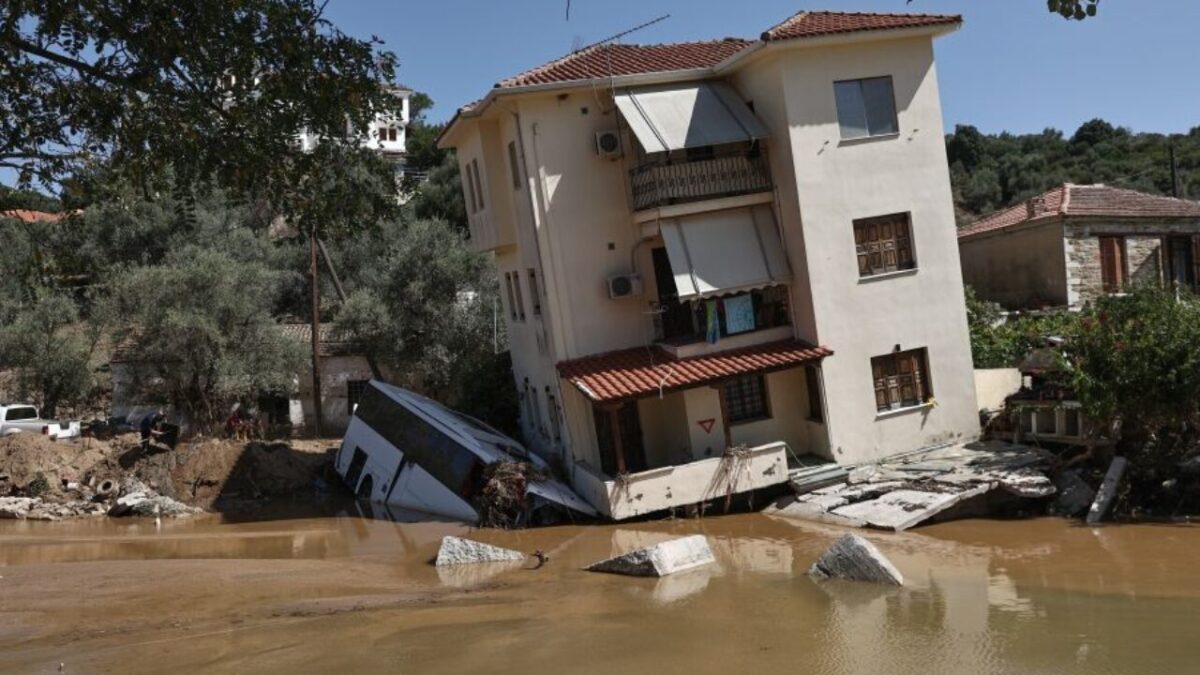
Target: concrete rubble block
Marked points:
803	510
1108	490
1074	494
459	551
856	559
902	509
668	557
17	508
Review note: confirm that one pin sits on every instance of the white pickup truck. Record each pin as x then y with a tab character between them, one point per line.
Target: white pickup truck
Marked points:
18	418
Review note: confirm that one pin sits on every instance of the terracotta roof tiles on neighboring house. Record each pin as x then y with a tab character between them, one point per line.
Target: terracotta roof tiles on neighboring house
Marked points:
817	24
1084	201
31	216
644	371
624	59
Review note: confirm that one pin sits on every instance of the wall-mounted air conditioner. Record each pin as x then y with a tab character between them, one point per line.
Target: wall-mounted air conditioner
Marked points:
624	286
608	143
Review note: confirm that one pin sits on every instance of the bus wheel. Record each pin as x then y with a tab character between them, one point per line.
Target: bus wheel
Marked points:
365	488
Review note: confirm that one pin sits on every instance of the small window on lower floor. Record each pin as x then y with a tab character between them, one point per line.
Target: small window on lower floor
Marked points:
884	244
901	380
354	392
812	381
746	399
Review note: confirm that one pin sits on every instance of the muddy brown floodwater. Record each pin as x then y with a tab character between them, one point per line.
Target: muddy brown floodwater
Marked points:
335	594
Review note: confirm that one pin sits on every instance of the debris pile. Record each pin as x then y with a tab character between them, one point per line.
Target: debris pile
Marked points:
941	483
501	503
659	560
855	559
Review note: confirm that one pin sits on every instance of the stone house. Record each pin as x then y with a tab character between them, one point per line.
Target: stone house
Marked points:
732	248
1074	243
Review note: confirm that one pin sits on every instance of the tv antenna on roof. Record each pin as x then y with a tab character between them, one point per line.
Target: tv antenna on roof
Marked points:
623	33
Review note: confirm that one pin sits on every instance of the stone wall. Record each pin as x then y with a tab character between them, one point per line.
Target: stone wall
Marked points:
1143	253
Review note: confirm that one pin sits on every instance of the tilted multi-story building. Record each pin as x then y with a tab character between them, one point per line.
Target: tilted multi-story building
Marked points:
718	256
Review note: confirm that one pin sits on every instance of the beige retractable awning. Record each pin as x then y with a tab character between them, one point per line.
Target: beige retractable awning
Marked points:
724	252
680	116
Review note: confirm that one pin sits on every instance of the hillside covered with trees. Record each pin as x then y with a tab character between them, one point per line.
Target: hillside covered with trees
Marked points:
993	171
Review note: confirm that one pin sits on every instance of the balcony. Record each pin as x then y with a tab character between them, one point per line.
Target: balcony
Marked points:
656	185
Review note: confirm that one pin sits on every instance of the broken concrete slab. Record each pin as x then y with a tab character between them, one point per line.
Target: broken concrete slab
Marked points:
459	551
791	507
17	508
668	557
856	559
902	509
1074	494
1108	490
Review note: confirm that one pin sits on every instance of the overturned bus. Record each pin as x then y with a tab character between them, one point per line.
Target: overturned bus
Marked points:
402	449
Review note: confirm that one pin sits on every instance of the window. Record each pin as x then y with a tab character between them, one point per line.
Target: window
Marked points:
519	308
478	183
535	298
1112	263
900	380
746	399
883	244
512	300
354	392
535	412
812	382
388	133
866	107
552	412
513	167
1183	260
470	187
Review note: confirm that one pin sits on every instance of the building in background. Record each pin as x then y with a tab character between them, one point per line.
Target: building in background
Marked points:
719	257
387	134
1068	246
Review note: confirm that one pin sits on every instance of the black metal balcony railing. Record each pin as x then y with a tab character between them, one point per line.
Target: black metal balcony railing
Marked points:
661	184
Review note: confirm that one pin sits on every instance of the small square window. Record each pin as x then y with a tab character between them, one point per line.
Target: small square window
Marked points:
514	166
901	380
746	399
883	244
866	107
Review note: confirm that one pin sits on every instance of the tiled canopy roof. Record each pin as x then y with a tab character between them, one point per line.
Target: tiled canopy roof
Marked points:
644	371
816	24
611	59
1084	201
620	59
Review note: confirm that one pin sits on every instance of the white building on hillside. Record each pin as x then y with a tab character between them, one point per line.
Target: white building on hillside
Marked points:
736	244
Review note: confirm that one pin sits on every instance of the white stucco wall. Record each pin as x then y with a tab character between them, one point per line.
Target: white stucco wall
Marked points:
839	181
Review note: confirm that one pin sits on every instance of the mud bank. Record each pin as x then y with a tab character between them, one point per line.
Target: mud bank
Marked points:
346	593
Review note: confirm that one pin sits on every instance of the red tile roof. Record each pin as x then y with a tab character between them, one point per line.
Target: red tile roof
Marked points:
1084	201
31	216
608	60
644	371
612	59
817	24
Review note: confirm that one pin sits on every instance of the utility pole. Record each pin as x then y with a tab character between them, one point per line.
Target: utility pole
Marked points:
316	332
1174	172
341	291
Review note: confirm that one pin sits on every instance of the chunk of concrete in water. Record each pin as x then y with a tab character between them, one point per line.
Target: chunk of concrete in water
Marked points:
790	507
1074	494
902	509
660	559
459	551
17	508
1108	490
856	559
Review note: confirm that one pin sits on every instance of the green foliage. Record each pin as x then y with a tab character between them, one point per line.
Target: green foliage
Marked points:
441	196
38	486
201	323
1000	343
49	350
1073	9
213	89
990	172
1137	358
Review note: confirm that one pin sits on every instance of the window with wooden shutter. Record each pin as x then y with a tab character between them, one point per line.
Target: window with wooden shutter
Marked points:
901	380
883	244
1112	263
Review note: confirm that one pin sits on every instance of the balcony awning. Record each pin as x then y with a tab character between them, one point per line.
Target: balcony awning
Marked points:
723	252
649	371
680	116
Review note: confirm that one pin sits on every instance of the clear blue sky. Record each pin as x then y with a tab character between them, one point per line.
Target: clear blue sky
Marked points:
1012	67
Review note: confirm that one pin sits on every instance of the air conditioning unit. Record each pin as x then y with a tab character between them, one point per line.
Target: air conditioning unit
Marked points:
608	144
624	286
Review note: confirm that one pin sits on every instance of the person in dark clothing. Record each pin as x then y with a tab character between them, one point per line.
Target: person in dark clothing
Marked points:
151	428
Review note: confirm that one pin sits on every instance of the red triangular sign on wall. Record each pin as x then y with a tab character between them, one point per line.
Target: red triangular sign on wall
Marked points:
707	425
